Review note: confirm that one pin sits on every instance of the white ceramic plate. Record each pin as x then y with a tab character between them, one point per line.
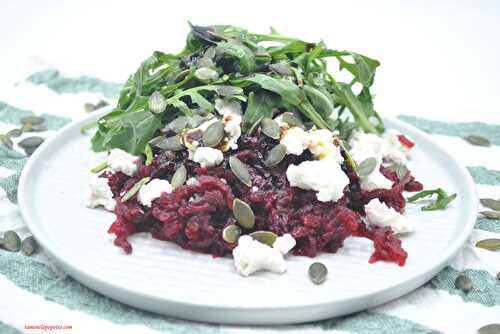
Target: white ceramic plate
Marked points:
161	277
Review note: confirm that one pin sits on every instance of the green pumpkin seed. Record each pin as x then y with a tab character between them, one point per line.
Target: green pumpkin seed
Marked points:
11	241
243	214
318	272
28	246
135	188
228	90
477	140
157	103
101	104
280	68
29	150
489	329
254	126
231	233
156	140
214	134
35	128
6	141
170	144
240	170
30	142
14	133
275	155
89	107
489	244
367	166
179	177
32	120
401	171
463	283
206	74
178	124
266	237
292	120
491	214
204	62
270	128
491	203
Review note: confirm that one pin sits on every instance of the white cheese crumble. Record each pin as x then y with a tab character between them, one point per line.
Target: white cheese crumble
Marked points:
293	138
231	117
318	142
379	214
374	180
121	161
99	193
324	176
207	156
192	182
153	190
251	255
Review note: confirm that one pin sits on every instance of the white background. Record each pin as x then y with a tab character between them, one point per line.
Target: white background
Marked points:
440	59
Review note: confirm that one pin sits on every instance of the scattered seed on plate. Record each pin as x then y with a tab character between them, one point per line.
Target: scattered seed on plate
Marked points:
489	244
367	166
170	144
318	272
29	142
477	140
11	242
231	233
101	104
266	237
491	203
178	124
33	120
89	107
291	119
240	170
213	134
14	133
243	214
270	128
179	177
491	214
29	150
135	188
275	155
157	103
489	329
6	141
463	283
37	128
280	68
401	171
28	246
228	90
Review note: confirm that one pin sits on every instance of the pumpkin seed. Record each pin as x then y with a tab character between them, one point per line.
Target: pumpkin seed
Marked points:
318	272
228	90
35	128
101	104
33	120
11	241
477	140
29	142
275	155
206	74
179	177
463	283
157	103
270	128
28	246
240	170
489	329
243	214
204	62
231	233
2	241
135	188
489	244
213	134
367	166
401	171
14	133
88	107
282	69
178	124
170	144
291	119
491	203
498	276
491	214
266	237
29	151
6	141
156	140
254	126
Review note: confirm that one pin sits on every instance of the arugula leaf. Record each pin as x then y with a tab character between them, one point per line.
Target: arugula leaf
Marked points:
243	54
440	203
260	105
320	101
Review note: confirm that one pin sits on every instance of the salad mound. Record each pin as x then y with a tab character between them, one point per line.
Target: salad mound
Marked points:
249	134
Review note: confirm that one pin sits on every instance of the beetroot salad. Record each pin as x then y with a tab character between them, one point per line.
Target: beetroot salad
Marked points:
236	147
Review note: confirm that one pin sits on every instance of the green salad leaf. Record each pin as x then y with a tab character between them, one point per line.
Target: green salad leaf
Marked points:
441	202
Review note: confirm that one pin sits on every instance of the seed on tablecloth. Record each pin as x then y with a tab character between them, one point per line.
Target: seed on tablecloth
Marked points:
6	141
28	246
489	329
33	120
29	142
14	133
11	241
477	140
318	272
463	283
498	276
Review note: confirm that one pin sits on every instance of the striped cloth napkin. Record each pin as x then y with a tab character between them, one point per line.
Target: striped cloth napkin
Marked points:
35	293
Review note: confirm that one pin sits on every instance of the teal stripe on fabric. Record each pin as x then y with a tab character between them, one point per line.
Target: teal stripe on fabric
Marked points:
38	278
490	131
12	115
485	291
483	175
14	161
374	323
6	329
61	84
490	225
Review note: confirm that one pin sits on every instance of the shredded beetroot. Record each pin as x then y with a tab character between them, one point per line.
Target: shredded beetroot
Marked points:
405	141
193	216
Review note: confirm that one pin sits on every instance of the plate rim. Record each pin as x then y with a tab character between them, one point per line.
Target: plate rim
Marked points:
220	314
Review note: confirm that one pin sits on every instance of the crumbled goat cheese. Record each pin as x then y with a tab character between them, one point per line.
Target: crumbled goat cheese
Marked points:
151	191
284	244
293	138
324	176
318	142
231	117
251	255
379	214
192	182
99	193
121	161
374	180
207	156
